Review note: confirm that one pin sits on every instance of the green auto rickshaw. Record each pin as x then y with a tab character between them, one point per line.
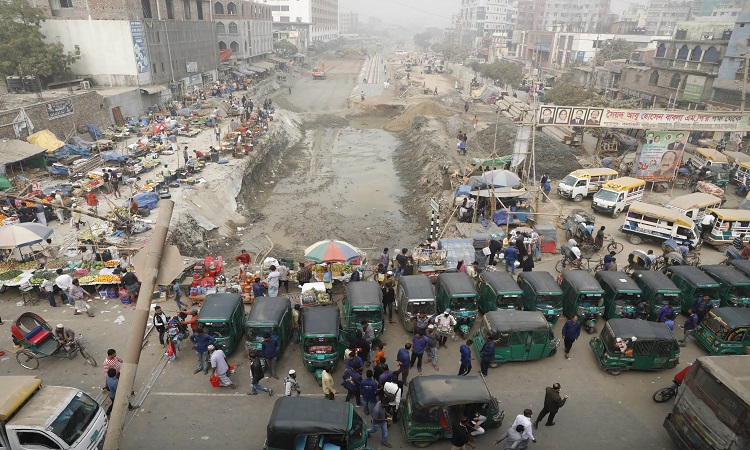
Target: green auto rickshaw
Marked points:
414	294
621	294
434	403
693	284
582	297
223	317
498	290
322	338
724	331
734	287
658	291
456	291
541	293
306	423
743	265
518	336
632	344
268	315
363	302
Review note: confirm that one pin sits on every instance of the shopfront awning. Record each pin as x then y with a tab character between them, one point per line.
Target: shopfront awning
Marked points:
152	88
265	65
246	72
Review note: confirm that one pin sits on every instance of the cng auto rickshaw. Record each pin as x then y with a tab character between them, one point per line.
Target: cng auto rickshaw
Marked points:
321	338
658	291
734	287
434	403
456	291
223	317
743	265
272	315
414	295
582	296
724	331
729	224
631	344
498	290
306	423
693	284
363	301
541	293
518	336
621	294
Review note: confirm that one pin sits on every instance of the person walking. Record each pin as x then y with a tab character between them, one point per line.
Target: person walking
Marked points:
460	434
389	298
48	287
385	259
465	351
570	333
304	275
256	374
511	254
219	367
178	295
326	381
525	420
160	323
445	323
420	343
351	380
488	355
368	389
270	350
273	282
296	324
284	277
552	403
291	386
690	324
402	261
404	361
433	342
380	421
201	341
39	212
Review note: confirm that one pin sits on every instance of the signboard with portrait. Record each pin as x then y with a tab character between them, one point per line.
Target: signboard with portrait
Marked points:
140	52
657	157
59	108
660	120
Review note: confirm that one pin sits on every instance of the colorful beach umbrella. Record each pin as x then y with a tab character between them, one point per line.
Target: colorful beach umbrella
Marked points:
331	251
22	234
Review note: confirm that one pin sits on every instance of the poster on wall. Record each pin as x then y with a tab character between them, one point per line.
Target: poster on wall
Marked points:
657	157
694	86
140	52
59	108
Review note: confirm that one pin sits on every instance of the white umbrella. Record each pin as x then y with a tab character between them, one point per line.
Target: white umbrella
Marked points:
503	178
22	234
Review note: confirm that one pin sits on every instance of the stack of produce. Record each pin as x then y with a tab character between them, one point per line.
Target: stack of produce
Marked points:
10	274
55	264
107	279
88	279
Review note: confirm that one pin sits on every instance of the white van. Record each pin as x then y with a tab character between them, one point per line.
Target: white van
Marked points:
584	182
694	205
646	222
617	195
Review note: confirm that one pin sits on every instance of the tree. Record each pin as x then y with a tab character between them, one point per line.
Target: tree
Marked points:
451	51
284	48
502	72
614	49
423	40
22	44
566	91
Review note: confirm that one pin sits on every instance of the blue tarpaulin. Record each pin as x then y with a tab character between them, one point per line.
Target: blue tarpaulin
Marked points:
147	200
68	149
94	131
113	156
501	217
464	190
58	169
75	140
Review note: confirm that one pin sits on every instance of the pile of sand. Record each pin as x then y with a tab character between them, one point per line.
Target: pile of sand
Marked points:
404	121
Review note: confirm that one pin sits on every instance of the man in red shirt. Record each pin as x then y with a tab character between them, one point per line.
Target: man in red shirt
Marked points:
746	252
112	361
192	320
244	259
92	201
199	155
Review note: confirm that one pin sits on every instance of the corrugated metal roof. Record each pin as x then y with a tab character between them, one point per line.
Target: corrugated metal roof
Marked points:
12	151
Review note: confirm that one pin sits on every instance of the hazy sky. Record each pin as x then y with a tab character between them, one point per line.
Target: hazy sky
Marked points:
415	14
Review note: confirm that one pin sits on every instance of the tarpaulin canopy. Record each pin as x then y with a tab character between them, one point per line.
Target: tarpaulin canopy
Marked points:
46	140
75	140
69	149
113	156
12	151
94	131
225	54
265	65
146	200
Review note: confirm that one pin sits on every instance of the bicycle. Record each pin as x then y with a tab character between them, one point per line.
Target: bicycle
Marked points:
666	394
613	246
566	263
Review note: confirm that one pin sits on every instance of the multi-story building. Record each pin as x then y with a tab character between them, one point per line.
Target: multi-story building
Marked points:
487	24
348	22
322	15
244	27
732	81
583	16
727	9
663	15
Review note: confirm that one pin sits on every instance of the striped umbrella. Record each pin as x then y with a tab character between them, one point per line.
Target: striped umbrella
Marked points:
331	251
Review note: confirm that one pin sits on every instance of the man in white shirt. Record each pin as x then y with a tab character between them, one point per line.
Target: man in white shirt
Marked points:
273	282
445	322
525	420
64	282
220	367
49	290
706	224
392	392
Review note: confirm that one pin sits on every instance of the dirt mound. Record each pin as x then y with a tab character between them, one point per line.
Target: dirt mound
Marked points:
427	108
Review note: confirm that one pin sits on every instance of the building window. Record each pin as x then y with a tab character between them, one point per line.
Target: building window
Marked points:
66	3
680	34
218	8
661	50
154	68
232	28
186	8
711	55
728	34
170	9
675	81
697	53
235	47
654	78
146	7
220	28
222	45
199	8
231	8
683	53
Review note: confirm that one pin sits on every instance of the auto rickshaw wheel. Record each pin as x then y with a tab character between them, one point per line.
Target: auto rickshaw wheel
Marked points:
578	198
553	352
614	372
421	444
494	364
27	359
635	240
568	234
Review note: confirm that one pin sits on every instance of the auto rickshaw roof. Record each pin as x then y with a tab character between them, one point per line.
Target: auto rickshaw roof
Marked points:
694	276
321	320
694	200
726	274
457	283
742	215
268	309
642	329
219	307
510	320
661	212
501	282
417	287
732	316
292	416
541	282
618	281
447	390
364	293
581	280
743	265
655	280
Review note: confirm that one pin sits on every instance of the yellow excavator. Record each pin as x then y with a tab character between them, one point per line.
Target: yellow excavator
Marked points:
320	73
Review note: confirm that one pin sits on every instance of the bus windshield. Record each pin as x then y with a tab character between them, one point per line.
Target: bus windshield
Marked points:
217	329
606	195
75	418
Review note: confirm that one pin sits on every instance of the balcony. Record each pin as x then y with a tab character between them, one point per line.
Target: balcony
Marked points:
706	68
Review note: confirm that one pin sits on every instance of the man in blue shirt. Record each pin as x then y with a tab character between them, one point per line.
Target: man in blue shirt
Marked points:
369	389
665	313
201	341
380	421
353	360
178	296
269	350
488	355
570	332
466	358
420	343
404	361
511	254
257	288
351	381
386	376
690	324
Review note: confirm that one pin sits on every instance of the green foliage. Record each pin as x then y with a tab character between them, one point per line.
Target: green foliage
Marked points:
423	40
504	72
284	48
22	44
614	49
451	51
566	91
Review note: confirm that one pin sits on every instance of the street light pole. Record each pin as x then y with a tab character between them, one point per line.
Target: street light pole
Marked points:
744	83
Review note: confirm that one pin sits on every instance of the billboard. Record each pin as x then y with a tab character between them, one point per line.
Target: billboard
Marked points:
659	154
59	108
660	120
693	89
140	52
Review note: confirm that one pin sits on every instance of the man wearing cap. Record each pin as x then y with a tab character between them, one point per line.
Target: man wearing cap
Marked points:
291	386
445	323
65	338
432	348
219	367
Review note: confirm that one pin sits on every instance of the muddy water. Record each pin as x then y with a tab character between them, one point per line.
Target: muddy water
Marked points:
340	183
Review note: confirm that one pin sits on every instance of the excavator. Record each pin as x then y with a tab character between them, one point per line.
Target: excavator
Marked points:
320	73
